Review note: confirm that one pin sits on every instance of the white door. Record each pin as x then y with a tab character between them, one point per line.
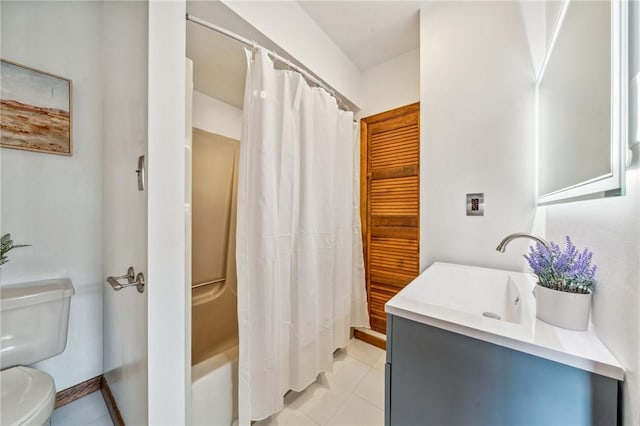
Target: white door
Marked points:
146	345
124	205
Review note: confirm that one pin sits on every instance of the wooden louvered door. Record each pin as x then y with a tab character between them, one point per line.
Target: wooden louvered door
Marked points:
390	204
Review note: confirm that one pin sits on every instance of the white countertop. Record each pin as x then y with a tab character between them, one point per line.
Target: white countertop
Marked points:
437	298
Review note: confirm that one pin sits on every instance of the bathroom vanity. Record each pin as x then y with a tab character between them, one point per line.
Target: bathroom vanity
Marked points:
464	348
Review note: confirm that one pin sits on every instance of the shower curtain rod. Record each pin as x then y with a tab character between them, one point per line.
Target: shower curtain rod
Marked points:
273	55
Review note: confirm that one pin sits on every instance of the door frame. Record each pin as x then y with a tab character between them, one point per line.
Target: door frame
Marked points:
169	299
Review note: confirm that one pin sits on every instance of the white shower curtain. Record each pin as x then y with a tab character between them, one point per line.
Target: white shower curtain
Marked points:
299	248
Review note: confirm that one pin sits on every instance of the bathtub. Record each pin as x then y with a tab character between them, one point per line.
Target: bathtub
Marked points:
214	389
214	313
214	357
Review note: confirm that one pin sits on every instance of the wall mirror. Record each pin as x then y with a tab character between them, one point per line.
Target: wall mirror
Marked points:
582	103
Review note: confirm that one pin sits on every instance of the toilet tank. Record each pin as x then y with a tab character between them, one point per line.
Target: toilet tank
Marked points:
34	321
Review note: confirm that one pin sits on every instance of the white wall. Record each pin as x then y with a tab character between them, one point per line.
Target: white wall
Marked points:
290	27
215	116
552	13
477	88
55	202
611	229
534	18
391	84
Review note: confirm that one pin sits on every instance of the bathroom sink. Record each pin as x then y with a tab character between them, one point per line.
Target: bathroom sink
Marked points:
476	291
482	298
498	307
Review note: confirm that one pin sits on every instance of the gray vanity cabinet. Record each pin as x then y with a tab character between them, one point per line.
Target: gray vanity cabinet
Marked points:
440	378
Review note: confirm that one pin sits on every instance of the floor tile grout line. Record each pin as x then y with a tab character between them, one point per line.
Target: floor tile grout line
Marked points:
375	349
365	375
372	369
340	405
368	402
353	392
308	417
344	403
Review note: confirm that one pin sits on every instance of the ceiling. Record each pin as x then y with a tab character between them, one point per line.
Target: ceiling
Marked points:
368	32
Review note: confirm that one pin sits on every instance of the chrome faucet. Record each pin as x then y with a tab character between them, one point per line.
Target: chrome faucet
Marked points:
506	240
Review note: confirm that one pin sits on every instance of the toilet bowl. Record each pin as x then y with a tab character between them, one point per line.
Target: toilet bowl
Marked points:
28	397
35	318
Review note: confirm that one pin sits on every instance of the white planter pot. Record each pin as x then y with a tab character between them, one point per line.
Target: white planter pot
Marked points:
562	309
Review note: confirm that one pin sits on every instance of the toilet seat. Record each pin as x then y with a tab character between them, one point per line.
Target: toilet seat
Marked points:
28	396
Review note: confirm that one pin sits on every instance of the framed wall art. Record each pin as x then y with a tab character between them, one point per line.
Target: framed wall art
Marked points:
35	110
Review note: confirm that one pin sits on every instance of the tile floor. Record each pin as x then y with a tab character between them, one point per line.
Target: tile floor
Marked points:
351	395
90	410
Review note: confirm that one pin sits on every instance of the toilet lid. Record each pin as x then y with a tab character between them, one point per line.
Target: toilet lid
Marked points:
28	396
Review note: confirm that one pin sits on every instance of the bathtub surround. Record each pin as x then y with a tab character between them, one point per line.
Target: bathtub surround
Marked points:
214	325
299	253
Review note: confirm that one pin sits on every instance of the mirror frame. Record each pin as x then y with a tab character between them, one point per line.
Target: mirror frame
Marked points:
614	181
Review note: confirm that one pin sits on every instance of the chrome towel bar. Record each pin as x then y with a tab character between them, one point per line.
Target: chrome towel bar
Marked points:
219	280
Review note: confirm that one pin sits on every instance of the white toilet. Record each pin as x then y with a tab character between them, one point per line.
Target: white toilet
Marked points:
33	327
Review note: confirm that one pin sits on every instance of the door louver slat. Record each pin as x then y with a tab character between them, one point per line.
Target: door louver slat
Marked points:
391	205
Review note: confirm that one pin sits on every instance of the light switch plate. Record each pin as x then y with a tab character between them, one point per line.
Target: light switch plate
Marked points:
475	204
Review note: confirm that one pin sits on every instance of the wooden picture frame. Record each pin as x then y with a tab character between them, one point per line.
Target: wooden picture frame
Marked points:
35	110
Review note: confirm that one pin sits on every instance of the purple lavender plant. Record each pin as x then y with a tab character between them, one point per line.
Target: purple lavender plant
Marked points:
565	270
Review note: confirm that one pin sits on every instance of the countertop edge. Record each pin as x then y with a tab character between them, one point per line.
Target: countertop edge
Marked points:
612	371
